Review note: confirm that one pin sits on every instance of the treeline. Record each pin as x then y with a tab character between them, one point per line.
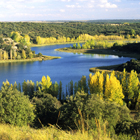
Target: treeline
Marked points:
68	29
80	38
105	44
129	47
103	100
129	65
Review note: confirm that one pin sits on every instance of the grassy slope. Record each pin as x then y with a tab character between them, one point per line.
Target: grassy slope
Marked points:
8	132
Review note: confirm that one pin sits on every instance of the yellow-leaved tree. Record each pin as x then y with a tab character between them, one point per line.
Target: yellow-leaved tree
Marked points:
133	88
113	89
46	83
124	83
96	83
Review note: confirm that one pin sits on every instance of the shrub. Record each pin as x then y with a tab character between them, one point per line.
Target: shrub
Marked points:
39	54
15	107
46	108
91	108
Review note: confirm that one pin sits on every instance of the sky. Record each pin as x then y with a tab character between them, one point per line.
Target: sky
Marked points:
46	10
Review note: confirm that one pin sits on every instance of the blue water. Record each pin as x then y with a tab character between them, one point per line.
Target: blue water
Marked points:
70	67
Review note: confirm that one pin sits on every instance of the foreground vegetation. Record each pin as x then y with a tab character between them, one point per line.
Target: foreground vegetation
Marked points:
99	109
8	132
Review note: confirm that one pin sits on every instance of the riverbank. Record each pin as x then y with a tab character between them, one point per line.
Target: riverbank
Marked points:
51	44
99	51
29	60
106	69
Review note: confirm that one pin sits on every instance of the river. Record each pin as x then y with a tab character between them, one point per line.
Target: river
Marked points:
70	67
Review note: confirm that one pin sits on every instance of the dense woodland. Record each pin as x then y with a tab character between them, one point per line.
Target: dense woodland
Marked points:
67	29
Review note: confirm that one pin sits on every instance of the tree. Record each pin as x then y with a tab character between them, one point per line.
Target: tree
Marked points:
132	32
55	88
46	83
15	36
132	87
46	108
27	39
38	40
1	41
82	85
74	46
30	54
11	54
15	54
60	91
82	110
124	83
96	82
16	108
23	54
0	54
70	87
78	46
113	89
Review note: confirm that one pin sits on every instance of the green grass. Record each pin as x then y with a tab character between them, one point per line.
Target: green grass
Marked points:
29	60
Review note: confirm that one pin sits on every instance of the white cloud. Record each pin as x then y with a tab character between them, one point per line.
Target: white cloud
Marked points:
90	5
70	6
106	4
118	0
103	1
66	0
62	10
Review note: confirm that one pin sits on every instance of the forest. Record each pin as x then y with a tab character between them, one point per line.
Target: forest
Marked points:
68	29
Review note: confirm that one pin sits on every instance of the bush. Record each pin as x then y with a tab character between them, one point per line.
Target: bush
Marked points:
39	54
15	107
91	108
46	108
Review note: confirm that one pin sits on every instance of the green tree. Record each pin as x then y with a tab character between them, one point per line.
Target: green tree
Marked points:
60	91
78	46
70	87
23	54
16	108
133	82
83	110
30	55
124	83
74	46
46	108
132	32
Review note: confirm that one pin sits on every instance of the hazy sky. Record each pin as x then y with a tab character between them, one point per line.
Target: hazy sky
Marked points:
28	10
